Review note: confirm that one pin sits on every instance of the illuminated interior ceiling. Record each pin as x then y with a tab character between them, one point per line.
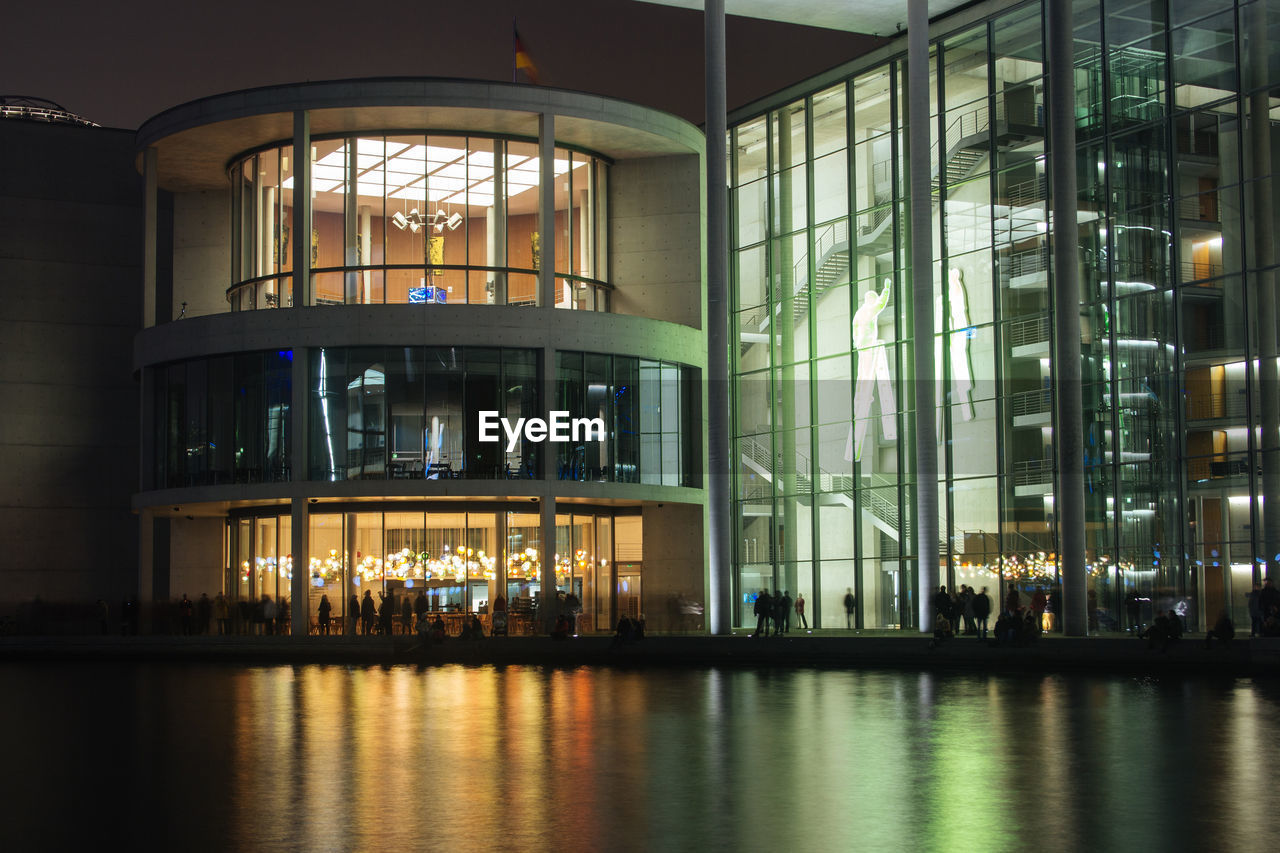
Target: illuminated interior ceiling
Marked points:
875	17
428	174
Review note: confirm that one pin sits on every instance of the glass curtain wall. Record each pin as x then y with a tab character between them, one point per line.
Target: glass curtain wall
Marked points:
645	407
1175	129
413	412
223	420
419	219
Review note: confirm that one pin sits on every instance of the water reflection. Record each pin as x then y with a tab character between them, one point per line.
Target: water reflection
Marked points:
331	757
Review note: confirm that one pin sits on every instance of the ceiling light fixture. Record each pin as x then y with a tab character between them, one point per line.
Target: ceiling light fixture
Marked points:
437	221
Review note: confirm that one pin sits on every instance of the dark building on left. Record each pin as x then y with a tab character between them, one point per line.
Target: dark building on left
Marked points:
71	248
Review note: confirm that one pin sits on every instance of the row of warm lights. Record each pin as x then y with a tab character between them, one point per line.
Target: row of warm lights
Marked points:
267	566
405	565
1037	567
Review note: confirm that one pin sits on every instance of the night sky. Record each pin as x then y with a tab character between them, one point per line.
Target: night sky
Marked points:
119	64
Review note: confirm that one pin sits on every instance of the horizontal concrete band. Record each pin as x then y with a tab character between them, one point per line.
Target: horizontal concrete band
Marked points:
219	127
519	495
420	325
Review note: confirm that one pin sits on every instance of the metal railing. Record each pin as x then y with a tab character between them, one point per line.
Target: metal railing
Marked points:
1033	472
1039	402
827	239
1032	330
1212	406
1027	262
1199	271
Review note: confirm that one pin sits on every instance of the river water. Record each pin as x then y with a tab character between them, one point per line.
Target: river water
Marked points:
453	757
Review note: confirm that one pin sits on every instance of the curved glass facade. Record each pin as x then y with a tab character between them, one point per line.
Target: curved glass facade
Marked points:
413	413
420	219
1175	132
458	557
223	420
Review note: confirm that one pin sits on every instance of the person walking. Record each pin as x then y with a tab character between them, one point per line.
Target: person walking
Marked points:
799	606
981	605
323	614
942	604
204	609
184	610
386	607
420	608
1038	603
966	608
1268	603
222	613
762	612
1255	610
368	613
850	604
268	614
1133	607
784	612
1012	601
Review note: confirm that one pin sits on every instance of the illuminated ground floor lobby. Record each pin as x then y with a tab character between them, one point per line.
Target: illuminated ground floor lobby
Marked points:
454	559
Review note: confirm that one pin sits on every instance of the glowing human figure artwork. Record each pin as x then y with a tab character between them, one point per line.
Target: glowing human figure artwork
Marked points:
873	372
961	376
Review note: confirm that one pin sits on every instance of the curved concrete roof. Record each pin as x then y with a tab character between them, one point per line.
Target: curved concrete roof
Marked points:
197	140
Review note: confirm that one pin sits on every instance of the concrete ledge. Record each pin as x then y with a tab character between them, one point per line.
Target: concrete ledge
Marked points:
1125	656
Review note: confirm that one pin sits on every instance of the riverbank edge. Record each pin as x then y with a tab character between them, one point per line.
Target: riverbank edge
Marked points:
1245	657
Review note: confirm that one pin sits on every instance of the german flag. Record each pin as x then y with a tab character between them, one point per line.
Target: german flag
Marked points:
523	62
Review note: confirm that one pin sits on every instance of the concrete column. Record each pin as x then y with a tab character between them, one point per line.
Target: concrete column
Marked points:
301	209
547	289
547	210
301	530
299	589
546	609
496	233
1264	281
784	467
146	560
719	497
926	386
1068	432
151	222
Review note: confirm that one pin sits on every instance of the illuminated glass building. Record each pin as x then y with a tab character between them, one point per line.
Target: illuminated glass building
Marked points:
342	276
312	364
1174	108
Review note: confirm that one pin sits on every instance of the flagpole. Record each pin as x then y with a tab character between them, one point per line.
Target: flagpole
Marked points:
513	50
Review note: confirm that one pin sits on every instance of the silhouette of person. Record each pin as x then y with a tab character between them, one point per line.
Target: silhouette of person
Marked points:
323	613
368	613
850	605
784	612
204	607
1223	629
801	621
184	609
981	611
763	608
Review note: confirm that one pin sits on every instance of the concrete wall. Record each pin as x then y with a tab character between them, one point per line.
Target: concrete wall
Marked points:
201	252
655	238
196	558
70	269
675	561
